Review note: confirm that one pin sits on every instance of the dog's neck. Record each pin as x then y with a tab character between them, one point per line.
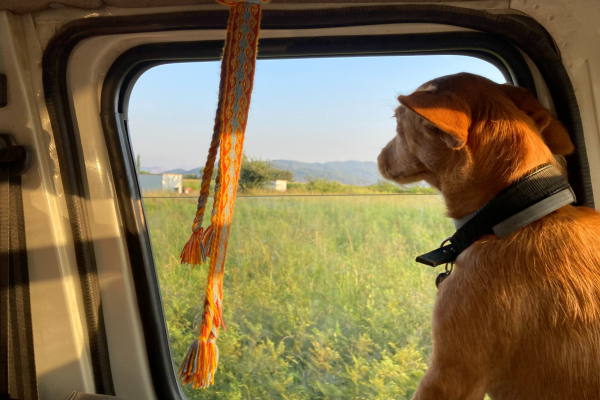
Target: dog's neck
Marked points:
460	215
466	192
493	159
465	198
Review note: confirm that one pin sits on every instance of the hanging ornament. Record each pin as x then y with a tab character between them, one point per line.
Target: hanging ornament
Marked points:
235	88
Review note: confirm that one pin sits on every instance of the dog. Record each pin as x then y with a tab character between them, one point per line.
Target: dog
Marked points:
519	317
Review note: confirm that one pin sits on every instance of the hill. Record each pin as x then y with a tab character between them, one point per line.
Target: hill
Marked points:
161	170
359	173
153	170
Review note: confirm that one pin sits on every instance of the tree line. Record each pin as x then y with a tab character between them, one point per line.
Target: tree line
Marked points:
255	173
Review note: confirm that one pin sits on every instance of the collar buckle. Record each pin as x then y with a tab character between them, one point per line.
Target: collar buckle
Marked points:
445	254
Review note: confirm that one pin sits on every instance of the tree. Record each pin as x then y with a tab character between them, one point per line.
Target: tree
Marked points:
283	174
256	173
138	166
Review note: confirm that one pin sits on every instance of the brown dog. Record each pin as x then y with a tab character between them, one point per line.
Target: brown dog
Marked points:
519	317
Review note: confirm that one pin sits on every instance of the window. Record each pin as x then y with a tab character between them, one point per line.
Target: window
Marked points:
322	297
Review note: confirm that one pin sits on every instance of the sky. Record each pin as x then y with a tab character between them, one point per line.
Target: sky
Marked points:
310	110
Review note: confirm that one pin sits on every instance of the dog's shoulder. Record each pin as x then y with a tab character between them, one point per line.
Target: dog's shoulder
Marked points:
536	270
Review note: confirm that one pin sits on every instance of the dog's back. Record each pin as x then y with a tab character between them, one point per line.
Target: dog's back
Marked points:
538	291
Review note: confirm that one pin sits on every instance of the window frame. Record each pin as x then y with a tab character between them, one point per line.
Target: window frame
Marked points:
497	46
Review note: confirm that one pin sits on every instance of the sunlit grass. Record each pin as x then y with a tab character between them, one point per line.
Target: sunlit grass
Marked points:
324	186
322	296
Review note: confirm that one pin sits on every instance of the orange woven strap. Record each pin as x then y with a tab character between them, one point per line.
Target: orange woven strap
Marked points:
237	78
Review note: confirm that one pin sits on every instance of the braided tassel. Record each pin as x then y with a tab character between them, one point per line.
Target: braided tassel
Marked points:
237	75
195	245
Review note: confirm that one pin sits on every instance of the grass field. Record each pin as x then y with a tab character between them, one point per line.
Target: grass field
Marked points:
324	186
322	297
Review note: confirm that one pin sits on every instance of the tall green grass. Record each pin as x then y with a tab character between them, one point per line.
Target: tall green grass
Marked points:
322	297
325	186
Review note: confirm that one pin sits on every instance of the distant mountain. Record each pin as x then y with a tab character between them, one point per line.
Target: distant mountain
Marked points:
161	170
360	173
153	170
194	171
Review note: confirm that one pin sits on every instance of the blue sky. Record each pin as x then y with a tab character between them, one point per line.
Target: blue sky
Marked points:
311	110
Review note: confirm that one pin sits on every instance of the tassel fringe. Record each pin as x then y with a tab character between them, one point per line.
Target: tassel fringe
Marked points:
200	364
199	247
192	253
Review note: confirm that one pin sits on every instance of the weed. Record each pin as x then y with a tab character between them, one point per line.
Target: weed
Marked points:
322	297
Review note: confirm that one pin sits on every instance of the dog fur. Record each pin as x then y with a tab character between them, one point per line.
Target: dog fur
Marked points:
519	317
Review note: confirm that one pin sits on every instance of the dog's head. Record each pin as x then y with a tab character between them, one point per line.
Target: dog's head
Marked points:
470	137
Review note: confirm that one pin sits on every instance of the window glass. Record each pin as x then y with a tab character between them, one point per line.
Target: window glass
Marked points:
322	297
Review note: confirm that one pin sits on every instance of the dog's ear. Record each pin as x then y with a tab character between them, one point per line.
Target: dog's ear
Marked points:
553	132
445	110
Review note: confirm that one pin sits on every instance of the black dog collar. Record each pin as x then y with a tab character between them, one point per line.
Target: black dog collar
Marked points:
532	197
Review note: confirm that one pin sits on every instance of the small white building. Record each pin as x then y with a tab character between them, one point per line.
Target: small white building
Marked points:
161	182
278	185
